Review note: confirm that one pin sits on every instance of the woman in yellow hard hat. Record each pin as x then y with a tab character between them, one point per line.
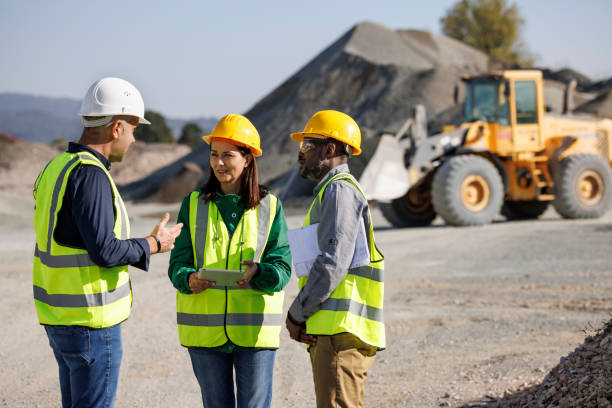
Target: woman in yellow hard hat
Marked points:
234	224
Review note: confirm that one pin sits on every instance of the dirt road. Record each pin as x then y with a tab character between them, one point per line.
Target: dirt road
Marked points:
469	312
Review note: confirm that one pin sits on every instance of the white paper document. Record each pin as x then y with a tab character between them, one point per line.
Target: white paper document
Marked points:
305	248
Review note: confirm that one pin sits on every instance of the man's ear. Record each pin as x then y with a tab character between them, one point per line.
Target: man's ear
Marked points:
330	150
115	128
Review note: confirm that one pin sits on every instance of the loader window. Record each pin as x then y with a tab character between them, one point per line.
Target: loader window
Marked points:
526	111
486	100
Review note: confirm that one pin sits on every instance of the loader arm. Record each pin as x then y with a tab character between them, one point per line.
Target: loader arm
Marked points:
387	159
390	174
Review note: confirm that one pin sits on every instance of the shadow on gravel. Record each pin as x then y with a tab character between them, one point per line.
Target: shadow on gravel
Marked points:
597	228
435	226
603	228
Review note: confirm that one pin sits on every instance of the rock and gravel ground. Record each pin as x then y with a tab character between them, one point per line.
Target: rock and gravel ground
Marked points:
581	379
470	313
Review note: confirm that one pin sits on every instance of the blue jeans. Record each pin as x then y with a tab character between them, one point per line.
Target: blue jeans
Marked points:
89	361
214	371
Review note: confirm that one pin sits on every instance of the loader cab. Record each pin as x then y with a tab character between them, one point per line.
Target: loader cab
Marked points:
511	102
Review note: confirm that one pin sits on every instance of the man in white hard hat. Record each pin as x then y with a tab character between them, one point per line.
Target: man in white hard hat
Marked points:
81	284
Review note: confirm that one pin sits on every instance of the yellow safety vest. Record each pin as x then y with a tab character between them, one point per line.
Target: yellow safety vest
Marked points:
246	317
356	305
69	288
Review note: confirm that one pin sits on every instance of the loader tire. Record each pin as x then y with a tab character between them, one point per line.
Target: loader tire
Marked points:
467	190
411	210
524	210
583	186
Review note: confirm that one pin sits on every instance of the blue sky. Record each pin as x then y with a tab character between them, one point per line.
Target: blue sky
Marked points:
201	58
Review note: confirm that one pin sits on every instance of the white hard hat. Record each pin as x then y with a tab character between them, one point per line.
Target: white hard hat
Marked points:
111	96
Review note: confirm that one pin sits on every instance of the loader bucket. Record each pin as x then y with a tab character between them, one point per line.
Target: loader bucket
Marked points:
385	177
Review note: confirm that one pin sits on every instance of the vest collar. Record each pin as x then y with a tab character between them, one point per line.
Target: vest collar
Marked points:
76	147
343	168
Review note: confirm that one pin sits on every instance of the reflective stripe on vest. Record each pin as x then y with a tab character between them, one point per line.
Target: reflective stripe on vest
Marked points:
356	304
234	319
247	317
89	300
68	287
348	305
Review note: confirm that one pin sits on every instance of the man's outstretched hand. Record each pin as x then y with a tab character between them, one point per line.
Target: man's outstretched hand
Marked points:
165	235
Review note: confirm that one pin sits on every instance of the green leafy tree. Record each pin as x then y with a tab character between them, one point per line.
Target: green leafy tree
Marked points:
492	26
191	135
158	131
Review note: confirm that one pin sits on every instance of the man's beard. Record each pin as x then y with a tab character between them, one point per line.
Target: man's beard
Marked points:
314	172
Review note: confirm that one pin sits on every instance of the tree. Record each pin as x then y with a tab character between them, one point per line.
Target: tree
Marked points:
191	135
491	26
157	131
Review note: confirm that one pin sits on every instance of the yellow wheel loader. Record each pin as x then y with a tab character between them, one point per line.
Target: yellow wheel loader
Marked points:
509	156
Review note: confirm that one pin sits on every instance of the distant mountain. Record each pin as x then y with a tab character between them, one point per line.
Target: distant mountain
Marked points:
43	119
38	118
13	103
40	126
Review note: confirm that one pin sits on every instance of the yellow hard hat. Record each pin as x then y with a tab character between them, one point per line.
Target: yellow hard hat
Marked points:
238	130
334	124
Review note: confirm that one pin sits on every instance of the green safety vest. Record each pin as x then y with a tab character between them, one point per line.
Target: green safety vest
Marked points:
356	305
69	288
247	317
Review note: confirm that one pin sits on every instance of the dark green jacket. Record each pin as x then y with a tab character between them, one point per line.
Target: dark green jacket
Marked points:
274	271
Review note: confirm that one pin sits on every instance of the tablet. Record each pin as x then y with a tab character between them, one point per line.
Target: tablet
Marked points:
222	277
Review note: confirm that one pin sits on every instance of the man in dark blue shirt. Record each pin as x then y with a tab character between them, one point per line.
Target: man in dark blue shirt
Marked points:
81	284
87	217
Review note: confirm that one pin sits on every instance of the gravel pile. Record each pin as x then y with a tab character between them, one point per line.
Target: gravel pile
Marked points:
600	106
143	159
21	162
373	73
170	182
581	379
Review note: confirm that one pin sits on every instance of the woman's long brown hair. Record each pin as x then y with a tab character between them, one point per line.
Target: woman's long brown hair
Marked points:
251	192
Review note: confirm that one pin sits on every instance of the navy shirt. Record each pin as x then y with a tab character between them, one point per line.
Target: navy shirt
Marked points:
87	218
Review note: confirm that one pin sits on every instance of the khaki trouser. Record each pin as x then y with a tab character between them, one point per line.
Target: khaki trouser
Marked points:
340	365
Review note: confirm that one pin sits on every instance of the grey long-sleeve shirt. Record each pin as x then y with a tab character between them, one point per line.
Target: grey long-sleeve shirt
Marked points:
342	205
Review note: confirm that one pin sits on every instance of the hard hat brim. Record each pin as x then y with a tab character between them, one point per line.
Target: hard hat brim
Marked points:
141	121
299	137
209	138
